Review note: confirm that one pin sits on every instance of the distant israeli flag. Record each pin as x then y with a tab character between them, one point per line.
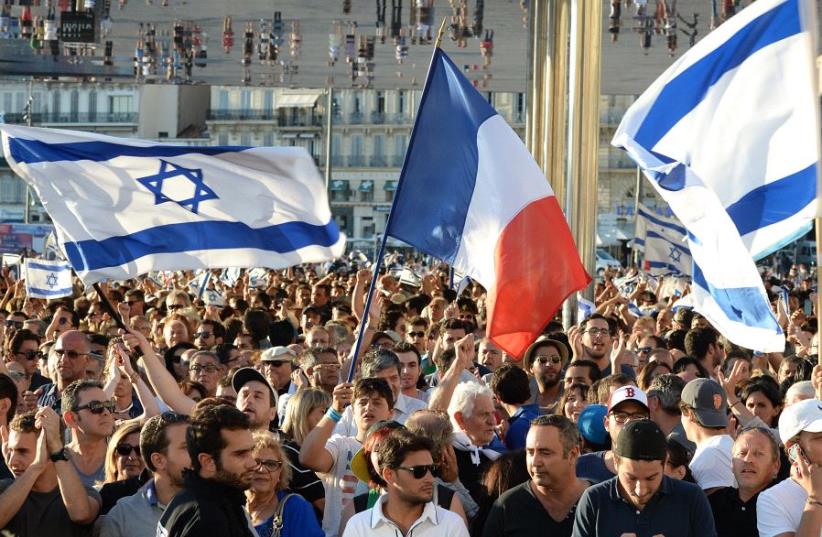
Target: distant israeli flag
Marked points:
124	207
584	308
647	219
230	275
47	279
665	255
729	137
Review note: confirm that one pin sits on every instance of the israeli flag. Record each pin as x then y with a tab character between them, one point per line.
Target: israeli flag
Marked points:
647	219
47	279
729	137
122	207
584	308
666	255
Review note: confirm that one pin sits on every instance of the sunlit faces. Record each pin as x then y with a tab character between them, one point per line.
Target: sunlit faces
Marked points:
369	409
755	462
410	370
547	465
639	480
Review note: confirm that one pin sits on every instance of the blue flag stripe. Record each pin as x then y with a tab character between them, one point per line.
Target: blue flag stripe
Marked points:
34	291
47	268
26	151
679	97
442	158
209	235
741	304
774	202
663	265
658	221
679	247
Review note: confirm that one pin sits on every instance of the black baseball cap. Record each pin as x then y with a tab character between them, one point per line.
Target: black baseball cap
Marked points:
641	440
709	402
245	375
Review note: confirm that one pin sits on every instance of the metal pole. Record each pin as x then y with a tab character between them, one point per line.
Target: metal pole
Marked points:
637	197
329	123
29	112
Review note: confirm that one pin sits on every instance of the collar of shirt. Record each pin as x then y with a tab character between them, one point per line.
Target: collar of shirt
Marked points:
151	494
664	489
429	513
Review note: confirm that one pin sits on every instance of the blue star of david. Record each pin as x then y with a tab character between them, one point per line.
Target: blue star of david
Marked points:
51	280
168	170
675	254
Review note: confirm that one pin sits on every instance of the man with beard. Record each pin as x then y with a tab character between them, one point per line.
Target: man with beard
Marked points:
545	504
406	508
220	445
545	359
163	446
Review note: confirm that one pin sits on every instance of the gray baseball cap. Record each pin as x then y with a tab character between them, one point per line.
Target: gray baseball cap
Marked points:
708	400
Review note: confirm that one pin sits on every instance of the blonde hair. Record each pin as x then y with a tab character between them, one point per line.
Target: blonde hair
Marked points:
111	450
267	440
299	407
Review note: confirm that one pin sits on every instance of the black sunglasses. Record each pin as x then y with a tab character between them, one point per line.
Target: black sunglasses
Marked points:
419	470
14	324
125	449
30	355
276	363
416	334
97	407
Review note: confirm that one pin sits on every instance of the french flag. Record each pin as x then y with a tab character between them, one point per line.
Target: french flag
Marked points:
470	194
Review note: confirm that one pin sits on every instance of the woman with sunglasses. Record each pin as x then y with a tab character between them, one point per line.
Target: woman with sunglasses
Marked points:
274	510
123	459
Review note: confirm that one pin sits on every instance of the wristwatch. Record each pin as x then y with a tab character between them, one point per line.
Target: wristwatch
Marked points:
59	456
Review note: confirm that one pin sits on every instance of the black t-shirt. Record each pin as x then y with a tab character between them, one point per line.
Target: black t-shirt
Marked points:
43	513
732	516
519	513
303	480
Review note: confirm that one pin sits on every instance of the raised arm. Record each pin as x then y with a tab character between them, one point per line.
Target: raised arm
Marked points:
161	380
313	453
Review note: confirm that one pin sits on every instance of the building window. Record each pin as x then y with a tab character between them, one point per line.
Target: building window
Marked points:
55	103
7	103
92	105
245	139
401	102
268	139
74	105
222	100
222	139
120	104
12	190
245	100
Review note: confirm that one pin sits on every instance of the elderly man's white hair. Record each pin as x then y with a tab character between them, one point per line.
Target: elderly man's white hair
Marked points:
799	391
463	400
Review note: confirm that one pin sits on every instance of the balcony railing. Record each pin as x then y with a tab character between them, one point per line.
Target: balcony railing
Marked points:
40	118
265	115
356	161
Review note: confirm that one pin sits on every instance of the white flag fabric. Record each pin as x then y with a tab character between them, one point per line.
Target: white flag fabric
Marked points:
124	207
647	219
729	137
47	279
666	255
584	308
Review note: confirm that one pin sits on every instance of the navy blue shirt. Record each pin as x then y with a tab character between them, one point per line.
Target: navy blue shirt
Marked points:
518	426
678	509
592	468
50	397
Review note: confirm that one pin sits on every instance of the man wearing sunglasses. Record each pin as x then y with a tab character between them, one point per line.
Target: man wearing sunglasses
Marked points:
72	350
87	412
406	508
135	300
545	359
25	350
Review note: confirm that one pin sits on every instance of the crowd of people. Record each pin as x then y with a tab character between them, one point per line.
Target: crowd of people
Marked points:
225	408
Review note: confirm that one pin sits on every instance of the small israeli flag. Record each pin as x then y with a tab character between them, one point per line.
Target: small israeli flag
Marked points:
47	279
584	308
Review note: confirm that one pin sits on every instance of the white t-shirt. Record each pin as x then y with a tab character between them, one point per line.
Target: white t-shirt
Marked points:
779	508
340	482
711	465
434	522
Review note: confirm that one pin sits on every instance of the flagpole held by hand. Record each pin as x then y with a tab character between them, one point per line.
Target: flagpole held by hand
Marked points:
109	308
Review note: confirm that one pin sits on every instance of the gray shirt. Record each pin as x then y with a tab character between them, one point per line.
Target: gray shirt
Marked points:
134	516
43	513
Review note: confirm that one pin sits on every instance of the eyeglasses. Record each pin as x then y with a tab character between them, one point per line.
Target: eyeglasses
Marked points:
204	335
71	354
419	470
97	407
173	307
625	417
210	368
328	365
276	363
125	449
30	355
644	350
545	360
597	332
14	324
132	302
416	334
270	465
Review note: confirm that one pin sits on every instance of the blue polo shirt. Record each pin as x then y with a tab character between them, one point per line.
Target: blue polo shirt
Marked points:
518	426
679	509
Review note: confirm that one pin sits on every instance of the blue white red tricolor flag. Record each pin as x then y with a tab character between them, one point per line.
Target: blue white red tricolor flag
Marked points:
729	137
124	207
471	194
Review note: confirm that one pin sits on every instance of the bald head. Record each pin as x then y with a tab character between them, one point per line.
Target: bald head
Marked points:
72	349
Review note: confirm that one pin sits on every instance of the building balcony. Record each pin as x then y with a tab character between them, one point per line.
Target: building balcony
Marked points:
70	118
267	116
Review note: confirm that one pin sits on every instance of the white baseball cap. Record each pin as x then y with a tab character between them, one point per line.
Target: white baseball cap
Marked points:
627	393
802	416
